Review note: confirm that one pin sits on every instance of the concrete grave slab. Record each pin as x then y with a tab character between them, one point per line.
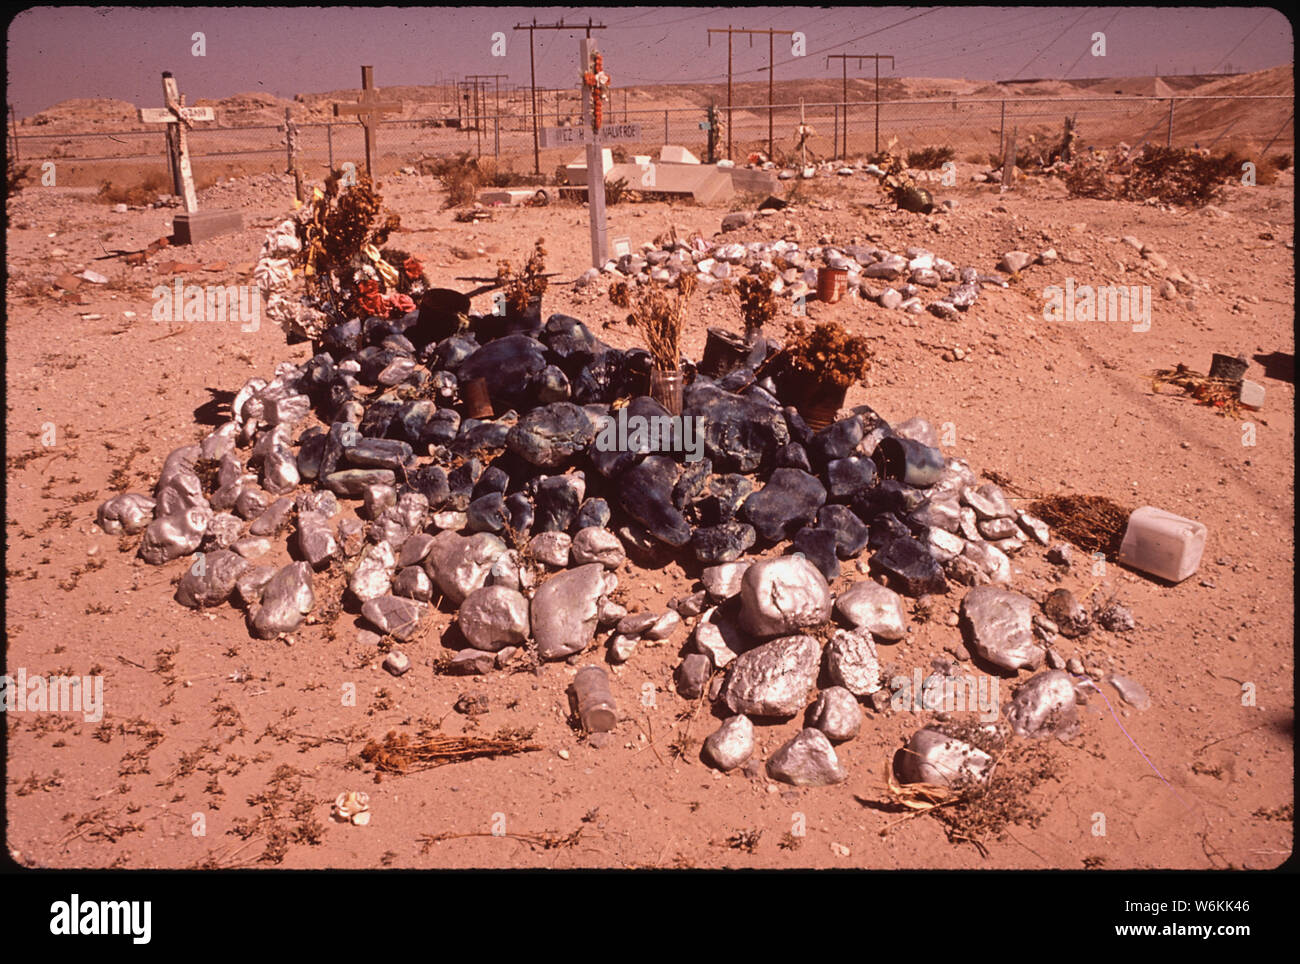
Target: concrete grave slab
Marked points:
191	227
672	154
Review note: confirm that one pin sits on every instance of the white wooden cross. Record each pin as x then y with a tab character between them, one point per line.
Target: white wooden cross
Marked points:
595	164
178	117
368	108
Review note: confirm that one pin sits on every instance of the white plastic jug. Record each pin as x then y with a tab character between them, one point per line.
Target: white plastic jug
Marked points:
1163	544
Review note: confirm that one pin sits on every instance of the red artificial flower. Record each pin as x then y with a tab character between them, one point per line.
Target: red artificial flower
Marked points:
413	268
369	300
372	303
399	303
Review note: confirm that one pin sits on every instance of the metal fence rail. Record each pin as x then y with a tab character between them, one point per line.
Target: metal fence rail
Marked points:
974	127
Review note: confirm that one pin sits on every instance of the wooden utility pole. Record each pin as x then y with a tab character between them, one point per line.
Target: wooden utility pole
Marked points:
771	74
844	61
844	58
532	69
496	94
480	106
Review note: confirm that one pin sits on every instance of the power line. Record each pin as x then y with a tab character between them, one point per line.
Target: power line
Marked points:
811	53
1018	40
844	64
711	12
1054	40
1088	47
1240	42
999	28
771	75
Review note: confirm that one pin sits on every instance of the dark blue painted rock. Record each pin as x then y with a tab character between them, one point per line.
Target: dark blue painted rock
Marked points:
788	501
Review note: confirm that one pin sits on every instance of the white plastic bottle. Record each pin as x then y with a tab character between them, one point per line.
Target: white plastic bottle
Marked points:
1163	544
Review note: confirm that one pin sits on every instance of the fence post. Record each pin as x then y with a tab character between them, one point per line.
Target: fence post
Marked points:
1002	131
288	140
1169	136
1009	164
329	140
13	119
665	127
846	131
835	138
496	137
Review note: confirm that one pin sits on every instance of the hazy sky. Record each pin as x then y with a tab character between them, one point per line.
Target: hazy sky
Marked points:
57	53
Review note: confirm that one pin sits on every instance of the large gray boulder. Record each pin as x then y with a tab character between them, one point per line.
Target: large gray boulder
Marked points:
774	679
782	596
1044	705
566	609
998	624
877	609
494	617
286	599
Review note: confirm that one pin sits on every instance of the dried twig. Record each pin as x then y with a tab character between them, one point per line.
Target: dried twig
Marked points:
400	754
660	317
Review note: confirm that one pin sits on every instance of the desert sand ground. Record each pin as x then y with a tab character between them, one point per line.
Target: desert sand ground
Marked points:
200	719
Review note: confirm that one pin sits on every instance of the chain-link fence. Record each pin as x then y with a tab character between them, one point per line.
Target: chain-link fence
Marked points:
974	128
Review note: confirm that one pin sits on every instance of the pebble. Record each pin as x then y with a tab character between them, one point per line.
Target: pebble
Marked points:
397	663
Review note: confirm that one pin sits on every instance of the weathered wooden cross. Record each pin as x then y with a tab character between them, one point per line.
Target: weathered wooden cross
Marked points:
178	119
191	225
369	108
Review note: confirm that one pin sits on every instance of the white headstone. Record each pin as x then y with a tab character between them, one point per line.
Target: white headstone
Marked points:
672	154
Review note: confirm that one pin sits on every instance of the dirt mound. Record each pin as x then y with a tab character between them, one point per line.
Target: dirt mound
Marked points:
85	111
1274	81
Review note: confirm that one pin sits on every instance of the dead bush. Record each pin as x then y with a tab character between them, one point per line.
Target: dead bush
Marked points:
1088	178
147	191
14	177
462	176
929	158
616	191
1176	175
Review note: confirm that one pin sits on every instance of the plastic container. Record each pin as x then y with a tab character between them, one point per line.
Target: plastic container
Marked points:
1162	544
596	706
818	401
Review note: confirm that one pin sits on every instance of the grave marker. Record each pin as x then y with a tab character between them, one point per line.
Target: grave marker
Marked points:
191	225
609	134
595	162
369	108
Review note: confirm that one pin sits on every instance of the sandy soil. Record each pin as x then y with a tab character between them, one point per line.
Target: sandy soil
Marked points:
200	719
